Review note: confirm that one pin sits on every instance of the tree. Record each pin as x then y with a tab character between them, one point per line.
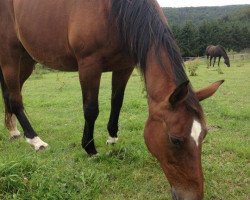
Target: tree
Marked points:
187	39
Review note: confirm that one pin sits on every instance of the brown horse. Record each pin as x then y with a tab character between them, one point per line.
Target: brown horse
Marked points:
217	51
92	37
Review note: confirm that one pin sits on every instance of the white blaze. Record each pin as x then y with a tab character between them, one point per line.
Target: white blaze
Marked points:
196	131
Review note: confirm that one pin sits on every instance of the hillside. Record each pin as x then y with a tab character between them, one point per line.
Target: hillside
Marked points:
197	27
197	15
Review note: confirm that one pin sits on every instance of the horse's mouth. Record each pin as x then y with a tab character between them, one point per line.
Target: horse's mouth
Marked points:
182	196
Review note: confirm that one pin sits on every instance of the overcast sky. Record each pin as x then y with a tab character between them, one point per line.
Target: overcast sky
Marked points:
195	3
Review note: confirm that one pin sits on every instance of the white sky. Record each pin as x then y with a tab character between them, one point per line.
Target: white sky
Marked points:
196	3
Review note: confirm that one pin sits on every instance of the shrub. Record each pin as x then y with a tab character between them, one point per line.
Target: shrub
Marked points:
192	66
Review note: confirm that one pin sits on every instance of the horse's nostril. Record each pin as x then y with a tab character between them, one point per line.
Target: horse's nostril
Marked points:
174	194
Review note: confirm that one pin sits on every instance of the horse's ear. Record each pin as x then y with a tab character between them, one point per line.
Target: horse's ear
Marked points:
208	91
179	94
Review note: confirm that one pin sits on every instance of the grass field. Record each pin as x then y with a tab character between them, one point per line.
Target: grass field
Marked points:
126	170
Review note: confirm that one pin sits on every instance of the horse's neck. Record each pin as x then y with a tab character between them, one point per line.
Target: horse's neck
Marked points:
159	82
224	54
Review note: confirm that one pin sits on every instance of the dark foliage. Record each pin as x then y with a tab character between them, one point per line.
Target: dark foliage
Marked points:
198	15
196	28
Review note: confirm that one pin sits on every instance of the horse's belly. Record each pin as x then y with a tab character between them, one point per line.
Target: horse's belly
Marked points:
51	57
63	63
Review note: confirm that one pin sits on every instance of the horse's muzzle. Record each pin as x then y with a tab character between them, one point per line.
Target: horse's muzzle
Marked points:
181	195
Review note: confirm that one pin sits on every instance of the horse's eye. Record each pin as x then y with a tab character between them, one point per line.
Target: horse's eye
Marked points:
176	141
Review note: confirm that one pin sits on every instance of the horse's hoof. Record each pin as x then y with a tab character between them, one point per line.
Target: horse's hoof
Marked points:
37	143
94	155
112	140
89	147
15	137
41	148
91	152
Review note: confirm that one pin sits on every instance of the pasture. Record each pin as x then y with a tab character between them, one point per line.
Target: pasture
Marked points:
124	171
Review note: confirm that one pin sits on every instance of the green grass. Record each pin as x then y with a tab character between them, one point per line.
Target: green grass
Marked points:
126	170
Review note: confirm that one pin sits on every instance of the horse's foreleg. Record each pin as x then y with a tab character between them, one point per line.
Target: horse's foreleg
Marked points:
90	80
210	61
219	61
119	82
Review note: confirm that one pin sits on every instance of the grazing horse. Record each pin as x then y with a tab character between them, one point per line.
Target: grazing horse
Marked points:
92	37
217	51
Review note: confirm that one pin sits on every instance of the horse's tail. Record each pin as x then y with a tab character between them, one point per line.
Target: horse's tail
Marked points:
3	87
4	92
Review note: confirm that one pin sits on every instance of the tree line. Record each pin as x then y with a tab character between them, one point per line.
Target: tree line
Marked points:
231	31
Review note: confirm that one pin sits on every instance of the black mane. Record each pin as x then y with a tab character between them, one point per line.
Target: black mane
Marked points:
225	56
141	26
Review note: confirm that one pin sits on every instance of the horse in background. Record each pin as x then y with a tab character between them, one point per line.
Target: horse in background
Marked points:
217	51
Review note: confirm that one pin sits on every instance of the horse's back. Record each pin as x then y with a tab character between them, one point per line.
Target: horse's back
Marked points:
212	51
53	31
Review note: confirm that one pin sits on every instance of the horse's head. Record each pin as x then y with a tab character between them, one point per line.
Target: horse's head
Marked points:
174	133
227	62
